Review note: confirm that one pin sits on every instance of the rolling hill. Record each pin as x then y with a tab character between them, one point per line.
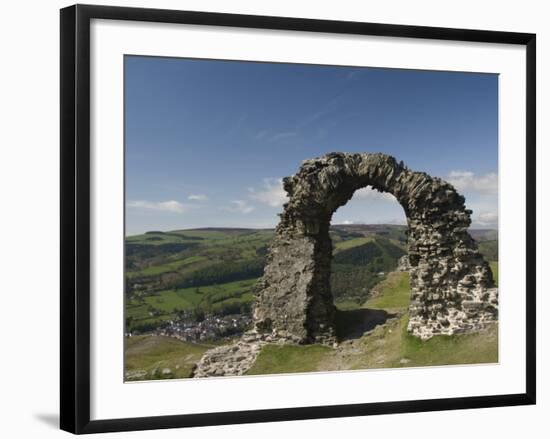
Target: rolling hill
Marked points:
214	270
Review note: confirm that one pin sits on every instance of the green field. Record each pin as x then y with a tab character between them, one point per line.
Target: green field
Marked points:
178	266
164	305
350	243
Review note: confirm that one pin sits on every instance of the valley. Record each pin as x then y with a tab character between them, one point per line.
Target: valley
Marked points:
190	290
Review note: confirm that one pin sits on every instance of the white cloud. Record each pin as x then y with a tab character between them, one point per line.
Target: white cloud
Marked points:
271	193
240	206
197	197
165	206
392	221
373	194
485	219
469	182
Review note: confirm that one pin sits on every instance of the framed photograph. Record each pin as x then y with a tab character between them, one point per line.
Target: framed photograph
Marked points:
275	218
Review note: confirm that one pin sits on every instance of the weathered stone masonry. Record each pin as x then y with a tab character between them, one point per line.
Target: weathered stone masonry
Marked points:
452	287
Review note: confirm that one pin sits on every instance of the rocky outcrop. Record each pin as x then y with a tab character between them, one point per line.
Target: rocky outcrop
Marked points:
237	358
452	287
233	359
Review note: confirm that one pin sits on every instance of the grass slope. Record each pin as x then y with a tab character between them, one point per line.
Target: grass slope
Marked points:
393	293
152	357
289	359
388	346
392	346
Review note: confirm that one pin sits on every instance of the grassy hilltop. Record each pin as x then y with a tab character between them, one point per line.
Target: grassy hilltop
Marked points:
193	273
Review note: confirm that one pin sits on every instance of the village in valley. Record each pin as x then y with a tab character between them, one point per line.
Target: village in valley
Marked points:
211	328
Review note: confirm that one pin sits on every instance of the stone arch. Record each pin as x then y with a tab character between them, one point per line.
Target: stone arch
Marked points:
452	287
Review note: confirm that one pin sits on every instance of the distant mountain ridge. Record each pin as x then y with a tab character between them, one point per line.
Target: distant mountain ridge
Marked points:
481	234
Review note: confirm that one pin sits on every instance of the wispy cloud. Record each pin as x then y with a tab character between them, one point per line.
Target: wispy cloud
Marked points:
271	193
467	181
240	206
336	103
282	136
197	197
165	206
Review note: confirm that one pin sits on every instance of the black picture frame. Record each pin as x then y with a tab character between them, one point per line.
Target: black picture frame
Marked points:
75	217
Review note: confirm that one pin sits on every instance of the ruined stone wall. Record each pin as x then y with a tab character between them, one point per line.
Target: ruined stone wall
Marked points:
452	288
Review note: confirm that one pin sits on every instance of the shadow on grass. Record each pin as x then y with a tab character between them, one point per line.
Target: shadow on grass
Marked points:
354	323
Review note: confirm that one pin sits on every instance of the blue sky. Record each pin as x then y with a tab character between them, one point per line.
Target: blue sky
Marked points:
207	142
